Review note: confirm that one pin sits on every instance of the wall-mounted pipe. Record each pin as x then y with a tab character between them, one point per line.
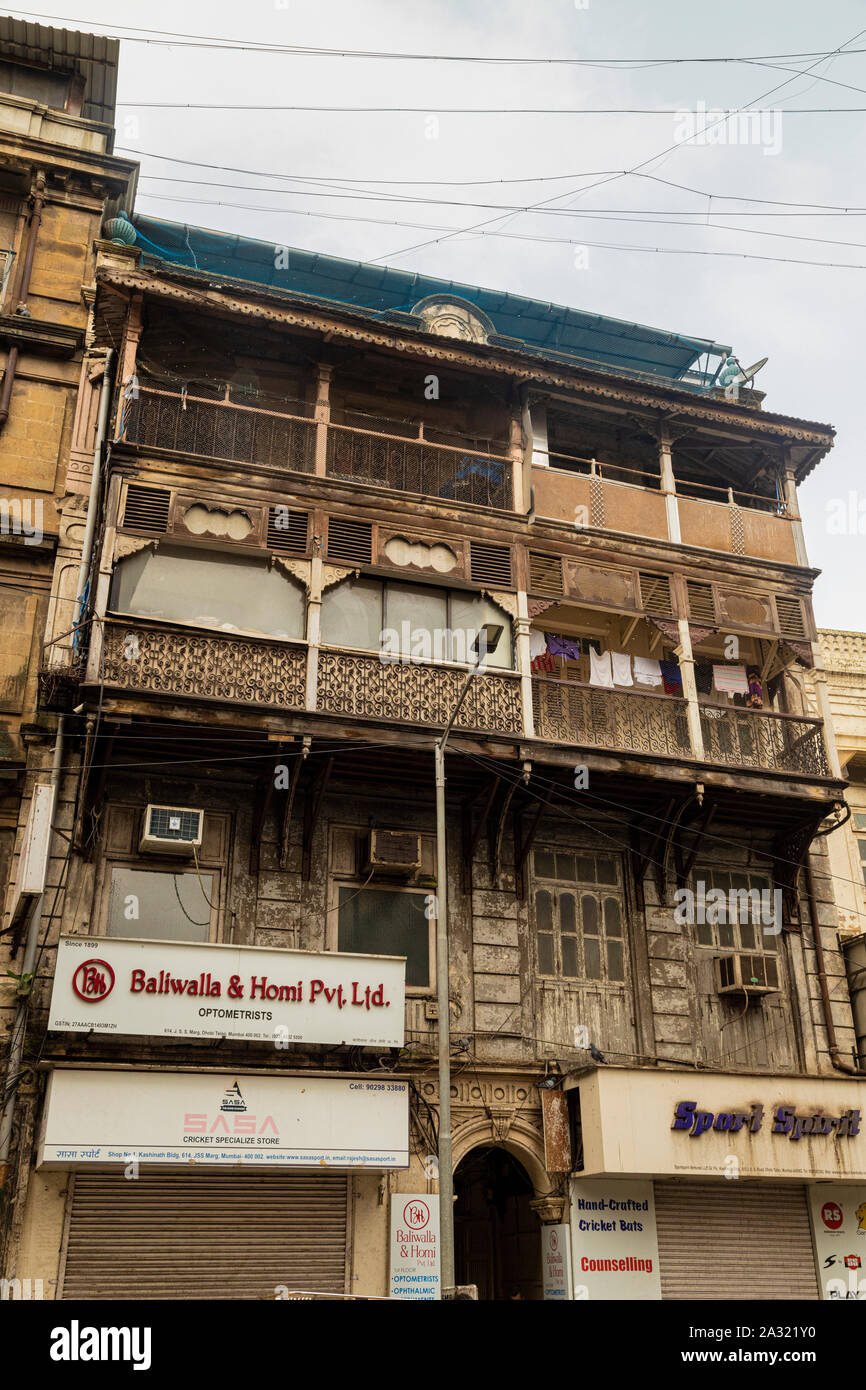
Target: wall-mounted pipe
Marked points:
829	1025
22	289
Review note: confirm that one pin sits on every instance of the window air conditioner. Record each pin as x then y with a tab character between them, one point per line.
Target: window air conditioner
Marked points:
393	852
747	974
171	830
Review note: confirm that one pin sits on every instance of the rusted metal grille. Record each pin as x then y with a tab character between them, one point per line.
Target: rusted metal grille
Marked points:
416	693
220	429
410	465
567	712
778	742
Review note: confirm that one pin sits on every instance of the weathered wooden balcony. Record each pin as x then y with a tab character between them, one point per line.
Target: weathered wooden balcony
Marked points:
150	658
569	712
164	659
220	429
365	687
415	465
223	429
761	738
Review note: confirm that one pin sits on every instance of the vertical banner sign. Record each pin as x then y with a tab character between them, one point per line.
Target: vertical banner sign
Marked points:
555	1262
415	1246
838	1216
614	1243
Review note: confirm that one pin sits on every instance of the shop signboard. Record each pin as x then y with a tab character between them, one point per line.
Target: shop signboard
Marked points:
615	1253
179	989
704	1125
555	1263
414	1261
113	1118
838	1215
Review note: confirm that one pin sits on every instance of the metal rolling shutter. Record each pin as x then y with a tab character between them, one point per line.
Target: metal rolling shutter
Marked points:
733	1239
203	1235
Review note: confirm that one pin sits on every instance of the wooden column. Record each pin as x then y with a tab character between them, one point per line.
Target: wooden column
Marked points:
794	512
523	663
669	490
690	690
322	416
314	614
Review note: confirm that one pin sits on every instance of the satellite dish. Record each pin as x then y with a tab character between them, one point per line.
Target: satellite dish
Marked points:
751	372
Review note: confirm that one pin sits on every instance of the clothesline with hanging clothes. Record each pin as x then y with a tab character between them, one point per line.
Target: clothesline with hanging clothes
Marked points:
608	670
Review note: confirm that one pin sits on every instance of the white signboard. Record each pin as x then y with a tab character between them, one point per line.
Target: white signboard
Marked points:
178	989
415	1246
838	1216
169	1118
614	1242
555	1263
683	1124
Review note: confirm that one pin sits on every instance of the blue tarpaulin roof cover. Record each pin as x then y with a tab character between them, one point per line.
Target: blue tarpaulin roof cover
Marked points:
548	330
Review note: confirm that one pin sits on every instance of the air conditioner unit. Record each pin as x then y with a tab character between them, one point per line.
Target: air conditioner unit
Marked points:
747	974
393	852
171	830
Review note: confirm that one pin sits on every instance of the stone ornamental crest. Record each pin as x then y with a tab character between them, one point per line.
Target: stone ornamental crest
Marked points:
454	318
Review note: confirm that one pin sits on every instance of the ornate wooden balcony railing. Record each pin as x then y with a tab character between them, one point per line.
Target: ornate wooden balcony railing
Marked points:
413	465
167	660
220	429
568	712
755	738
365	687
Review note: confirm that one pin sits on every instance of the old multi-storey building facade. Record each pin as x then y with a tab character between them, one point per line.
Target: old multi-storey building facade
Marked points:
321	481
58	177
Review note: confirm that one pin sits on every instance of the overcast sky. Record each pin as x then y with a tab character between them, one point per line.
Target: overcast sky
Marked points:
806	318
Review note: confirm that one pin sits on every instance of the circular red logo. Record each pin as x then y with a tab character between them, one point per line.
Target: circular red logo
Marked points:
416	1214
554	1243
93	980
831	1215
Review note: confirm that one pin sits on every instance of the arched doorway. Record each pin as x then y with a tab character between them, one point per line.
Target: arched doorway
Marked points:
497	1241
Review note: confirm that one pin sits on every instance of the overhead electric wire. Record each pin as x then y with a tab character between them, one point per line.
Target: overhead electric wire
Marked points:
482	110
523	236
146	35
636	168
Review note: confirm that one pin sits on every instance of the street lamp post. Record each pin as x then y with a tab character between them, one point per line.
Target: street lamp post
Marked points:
486	642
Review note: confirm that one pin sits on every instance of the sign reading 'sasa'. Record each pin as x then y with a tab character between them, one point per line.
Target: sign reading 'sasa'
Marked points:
177	989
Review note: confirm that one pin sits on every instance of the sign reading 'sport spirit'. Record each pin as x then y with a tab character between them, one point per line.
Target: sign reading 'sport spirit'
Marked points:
175	989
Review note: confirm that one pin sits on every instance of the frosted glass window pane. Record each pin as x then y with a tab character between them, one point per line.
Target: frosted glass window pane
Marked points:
419	616
469	613
160	906
229	593
374	921
352	615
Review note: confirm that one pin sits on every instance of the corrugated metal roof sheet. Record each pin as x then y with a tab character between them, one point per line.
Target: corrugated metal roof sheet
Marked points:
554	329
92	56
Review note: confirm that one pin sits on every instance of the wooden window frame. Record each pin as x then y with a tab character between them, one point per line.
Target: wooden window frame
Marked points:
580	889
